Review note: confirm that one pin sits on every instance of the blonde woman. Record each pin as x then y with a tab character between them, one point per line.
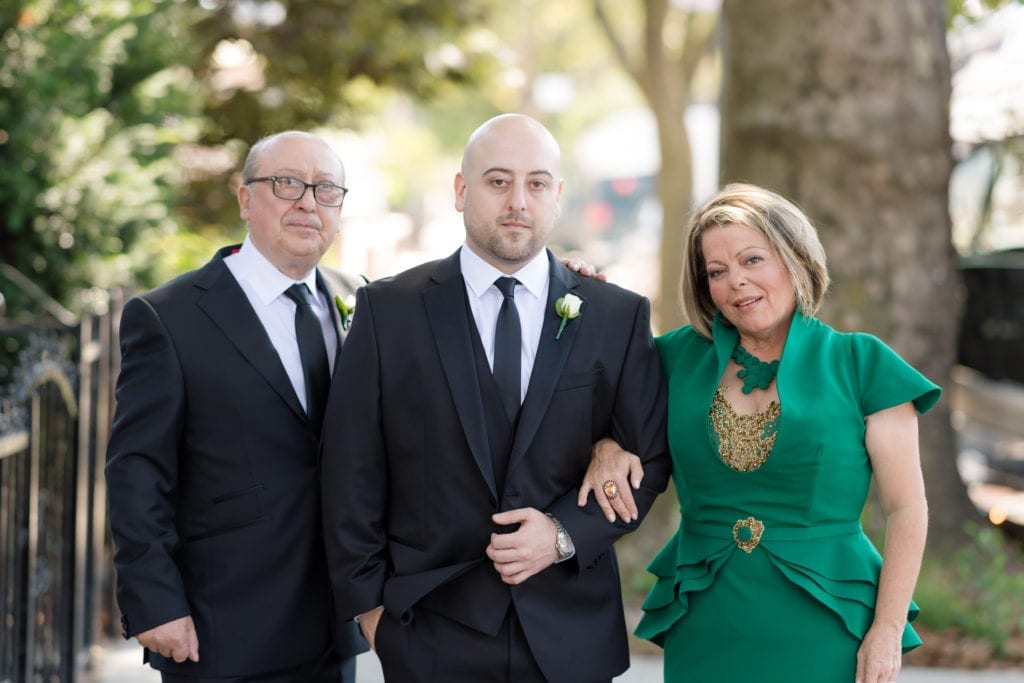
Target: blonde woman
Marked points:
777	424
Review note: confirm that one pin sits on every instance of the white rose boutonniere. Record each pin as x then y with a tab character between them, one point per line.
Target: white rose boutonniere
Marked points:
346	309
567	308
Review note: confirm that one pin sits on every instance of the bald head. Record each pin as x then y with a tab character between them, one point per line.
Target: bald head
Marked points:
511	130
268	143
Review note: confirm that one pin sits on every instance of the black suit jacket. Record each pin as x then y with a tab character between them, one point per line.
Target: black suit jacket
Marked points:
408	484
212	481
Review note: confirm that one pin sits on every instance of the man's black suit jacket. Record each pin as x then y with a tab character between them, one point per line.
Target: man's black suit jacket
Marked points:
212	481
408	484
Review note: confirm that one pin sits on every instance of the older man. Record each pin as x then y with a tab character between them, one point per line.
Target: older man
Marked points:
212	464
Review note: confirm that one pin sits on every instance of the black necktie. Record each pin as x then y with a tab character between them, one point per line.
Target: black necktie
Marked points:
313	350
507	348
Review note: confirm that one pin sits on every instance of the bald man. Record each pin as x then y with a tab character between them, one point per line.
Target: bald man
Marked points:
459	425
212	463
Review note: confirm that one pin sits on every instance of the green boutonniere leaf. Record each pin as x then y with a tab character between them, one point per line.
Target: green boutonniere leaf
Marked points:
346	311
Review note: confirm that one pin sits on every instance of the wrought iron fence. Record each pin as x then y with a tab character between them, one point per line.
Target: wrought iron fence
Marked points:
55	576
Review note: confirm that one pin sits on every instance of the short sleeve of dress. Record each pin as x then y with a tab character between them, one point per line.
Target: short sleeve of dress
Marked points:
671	346
886	380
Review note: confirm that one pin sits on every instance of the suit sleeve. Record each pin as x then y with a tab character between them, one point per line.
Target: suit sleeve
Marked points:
142	472
354	475
639	421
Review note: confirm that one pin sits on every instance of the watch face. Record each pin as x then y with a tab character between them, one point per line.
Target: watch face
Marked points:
563	544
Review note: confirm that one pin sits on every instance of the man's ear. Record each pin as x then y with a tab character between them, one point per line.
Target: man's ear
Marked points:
244	197
460	191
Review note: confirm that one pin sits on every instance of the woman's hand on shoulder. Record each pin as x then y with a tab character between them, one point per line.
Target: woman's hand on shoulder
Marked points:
612	475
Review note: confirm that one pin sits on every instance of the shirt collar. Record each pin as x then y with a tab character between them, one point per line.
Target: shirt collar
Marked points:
266	280
480	274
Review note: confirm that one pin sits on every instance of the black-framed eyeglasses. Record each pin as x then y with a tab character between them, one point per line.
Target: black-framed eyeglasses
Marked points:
287	187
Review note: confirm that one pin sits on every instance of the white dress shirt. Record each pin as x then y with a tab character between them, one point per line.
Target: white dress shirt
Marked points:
264	285
485	301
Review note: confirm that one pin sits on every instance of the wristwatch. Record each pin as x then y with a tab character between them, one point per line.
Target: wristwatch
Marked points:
563	544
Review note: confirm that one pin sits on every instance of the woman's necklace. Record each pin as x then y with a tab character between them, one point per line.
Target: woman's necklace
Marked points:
755	373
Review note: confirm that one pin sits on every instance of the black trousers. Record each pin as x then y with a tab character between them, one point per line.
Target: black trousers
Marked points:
328	668
434	649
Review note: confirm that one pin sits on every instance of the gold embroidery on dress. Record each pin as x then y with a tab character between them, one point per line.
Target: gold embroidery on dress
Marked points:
744	441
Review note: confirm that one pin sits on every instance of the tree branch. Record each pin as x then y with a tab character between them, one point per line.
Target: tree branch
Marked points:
619	48
663	80
700	29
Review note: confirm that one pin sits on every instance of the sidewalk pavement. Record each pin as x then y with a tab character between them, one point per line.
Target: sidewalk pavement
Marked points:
121	662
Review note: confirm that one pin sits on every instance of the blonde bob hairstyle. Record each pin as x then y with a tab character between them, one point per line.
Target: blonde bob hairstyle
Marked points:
788	231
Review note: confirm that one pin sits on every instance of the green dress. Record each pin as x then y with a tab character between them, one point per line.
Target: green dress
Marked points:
796	606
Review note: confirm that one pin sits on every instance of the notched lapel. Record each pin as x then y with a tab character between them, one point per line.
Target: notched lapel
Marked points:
552	355
229	309
333	290
449	321
337	284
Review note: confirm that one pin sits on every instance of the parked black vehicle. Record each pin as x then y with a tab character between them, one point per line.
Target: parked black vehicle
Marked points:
992	328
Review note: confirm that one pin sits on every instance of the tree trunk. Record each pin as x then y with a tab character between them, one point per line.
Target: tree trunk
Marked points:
675	190
663	70
842	107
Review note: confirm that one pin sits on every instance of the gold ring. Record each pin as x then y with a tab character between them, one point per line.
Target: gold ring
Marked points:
611	491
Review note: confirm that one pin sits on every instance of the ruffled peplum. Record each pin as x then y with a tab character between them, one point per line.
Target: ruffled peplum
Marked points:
840	572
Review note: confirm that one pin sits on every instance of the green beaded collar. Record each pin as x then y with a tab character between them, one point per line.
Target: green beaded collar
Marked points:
755	373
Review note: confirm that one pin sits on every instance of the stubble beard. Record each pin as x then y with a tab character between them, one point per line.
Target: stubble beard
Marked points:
513	251
512	246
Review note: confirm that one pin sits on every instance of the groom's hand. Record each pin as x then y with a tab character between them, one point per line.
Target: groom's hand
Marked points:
368	622
523	553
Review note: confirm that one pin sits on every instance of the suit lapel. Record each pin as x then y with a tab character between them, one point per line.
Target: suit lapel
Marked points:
551	357
445	302
229	309
332	290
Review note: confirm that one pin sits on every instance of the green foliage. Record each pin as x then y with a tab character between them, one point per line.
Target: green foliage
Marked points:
274	65
310	55
92	105
979	592
122	121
